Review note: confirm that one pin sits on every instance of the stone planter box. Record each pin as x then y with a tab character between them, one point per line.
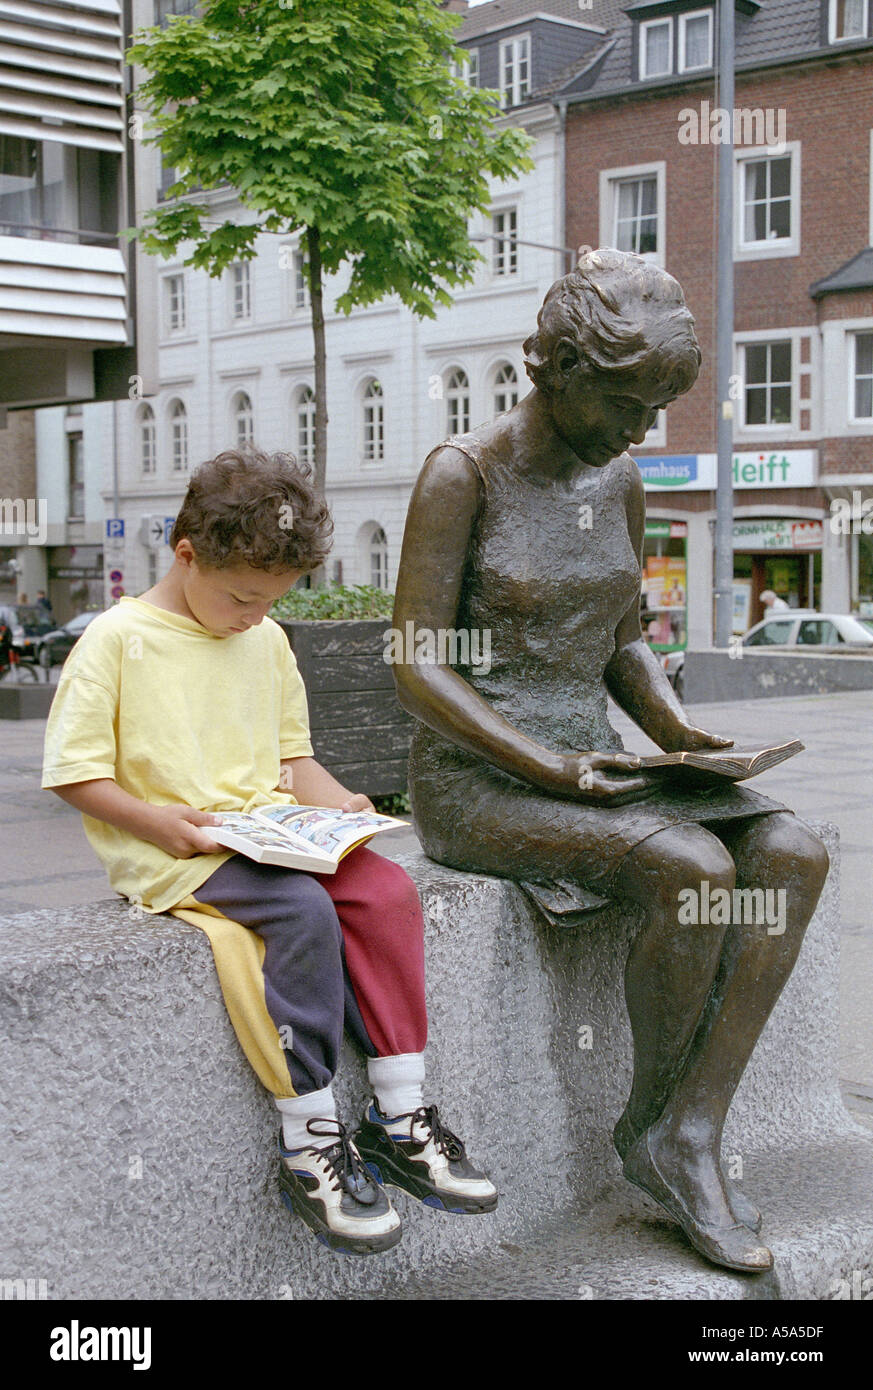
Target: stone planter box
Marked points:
360	732
27	701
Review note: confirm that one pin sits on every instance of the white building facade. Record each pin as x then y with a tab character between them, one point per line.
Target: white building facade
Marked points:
235	361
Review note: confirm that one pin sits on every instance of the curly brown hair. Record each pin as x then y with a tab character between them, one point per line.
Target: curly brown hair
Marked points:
249	507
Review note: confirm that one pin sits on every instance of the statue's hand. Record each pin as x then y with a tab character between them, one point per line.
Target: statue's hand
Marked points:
689	739
606	777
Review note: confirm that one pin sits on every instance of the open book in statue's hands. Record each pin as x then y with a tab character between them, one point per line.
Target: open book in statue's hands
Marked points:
313	838
734	764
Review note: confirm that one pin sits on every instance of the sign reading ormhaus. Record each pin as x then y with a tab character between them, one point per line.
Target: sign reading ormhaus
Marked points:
698	472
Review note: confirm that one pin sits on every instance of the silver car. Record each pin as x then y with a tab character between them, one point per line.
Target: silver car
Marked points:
803	627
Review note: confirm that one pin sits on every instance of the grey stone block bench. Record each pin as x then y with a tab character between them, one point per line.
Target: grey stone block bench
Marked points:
138	1149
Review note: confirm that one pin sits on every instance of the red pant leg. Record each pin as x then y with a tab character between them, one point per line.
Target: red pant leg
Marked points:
383	931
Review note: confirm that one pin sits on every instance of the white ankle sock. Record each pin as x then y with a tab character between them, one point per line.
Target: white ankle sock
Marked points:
297	1110
397	1082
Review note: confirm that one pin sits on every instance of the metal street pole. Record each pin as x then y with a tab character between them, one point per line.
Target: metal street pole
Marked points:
724	551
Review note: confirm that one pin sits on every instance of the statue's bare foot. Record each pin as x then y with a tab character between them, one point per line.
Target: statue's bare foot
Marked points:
625	1135
687	1183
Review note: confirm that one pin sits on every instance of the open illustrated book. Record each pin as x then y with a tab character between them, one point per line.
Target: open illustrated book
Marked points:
735	764
314	838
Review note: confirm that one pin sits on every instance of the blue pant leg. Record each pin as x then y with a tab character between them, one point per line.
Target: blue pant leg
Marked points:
304	985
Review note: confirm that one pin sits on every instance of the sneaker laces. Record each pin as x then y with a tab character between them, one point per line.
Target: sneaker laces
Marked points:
448	1143
343	1161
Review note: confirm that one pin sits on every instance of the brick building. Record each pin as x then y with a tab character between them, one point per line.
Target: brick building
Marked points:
642	121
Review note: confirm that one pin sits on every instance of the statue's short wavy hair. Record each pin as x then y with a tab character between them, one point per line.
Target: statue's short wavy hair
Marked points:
621	312
248	507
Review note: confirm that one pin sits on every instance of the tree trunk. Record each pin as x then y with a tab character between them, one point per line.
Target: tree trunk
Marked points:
316	298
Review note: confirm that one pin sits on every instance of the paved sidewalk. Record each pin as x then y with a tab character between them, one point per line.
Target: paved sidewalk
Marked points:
46	861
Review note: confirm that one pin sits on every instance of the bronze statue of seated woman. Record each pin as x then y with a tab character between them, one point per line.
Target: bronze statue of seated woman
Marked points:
530	529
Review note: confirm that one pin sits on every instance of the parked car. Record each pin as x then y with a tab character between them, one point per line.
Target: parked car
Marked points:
796	628
57	644
803	627
29	624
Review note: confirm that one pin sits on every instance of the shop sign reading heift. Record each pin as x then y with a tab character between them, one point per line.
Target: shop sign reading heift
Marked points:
698	472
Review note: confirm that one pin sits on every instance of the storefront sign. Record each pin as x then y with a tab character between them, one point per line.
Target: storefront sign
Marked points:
778	534
666	530
751	469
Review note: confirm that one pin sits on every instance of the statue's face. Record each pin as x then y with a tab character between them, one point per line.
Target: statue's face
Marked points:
599	413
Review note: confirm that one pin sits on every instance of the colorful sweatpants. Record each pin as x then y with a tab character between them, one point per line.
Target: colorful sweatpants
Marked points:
335	950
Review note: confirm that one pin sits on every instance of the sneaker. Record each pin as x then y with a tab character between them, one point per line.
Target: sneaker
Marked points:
331	1191
417	1153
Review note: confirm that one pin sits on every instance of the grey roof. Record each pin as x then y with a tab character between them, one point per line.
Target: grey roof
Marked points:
779	31
769	32
856	274
603	15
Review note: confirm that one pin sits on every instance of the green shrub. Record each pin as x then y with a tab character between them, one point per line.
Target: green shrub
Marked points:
395	804
334	601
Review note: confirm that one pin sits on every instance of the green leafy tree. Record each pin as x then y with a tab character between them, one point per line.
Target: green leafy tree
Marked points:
338	120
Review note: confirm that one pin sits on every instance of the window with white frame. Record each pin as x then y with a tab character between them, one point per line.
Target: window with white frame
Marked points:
240	291
656	47
379	559
457	402
695	40
862	377
515	71
504	228
301	281
179	436
304	420
768	388
636	215
374	423
633	210
467	68
766	201
175	312
848	19
505	388
147	439
243	419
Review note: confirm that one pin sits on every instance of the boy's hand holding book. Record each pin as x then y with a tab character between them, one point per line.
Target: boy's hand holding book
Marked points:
177	831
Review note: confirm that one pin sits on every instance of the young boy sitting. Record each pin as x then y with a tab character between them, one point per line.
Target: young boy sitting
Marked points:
186	702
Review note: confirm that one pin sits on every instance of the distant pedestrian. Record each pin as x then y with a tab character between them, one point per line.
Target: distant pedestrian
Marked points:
43	601
22	598
773	602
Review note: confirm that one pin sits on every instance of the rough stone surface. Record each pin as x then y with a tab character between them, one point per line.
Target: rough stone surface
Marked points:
138	1147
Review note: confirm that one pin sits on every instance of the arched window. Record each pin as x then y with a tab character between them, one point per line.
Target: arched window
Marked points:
304	424
458	402
179	435
379	559
145	419
243	420
505	388
374	423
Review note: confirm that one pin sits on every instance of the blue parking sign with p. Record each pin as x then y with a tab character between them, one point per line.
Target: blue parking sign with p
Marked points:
114	528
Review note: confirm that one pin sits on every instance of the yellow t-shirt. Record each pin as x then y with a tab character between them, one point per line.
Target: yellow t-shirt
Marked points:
174	715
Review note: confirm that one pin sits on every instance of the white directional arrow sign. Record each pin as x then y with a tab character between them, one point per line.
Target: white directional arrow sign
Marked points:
156	530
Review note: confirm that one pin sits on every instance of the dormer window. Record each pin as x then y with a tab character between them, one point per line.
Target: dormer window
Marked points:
695	40
656	48
467	68
515	71
676	44
849	19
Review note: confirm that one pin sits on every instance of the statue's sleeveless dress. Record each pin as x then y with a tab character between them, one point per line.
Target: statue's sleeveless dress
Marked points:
551	593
